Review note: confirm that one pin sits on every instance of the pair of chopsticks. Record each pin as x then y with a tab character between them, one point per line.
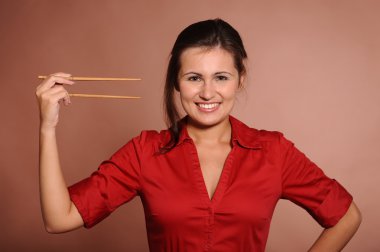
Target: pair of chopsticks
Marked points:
99	79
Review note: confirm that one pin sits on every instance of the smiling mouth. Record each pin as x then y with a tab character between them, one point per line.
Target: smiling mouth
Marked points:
208	105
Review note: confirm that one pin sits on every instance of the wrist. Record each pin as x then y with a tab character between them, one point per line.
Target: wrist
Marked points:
47	130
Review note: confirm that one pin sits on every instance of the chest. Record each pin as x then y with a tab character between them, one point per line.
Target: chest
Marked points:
177	205
242	183
212	159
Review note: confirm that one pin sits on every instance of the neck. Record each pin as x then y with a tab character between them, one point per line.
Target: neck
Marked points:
219	133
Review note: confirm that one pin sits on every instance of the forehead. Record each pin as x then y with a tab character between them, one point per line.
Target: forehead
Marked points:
205	58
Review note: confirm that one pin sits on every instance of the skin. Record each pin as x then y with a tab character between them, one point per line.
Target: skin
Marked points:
336	238
208	83
59	213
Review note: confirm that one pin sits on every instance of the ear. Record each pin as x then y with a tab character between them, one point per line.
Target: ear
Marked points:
242	81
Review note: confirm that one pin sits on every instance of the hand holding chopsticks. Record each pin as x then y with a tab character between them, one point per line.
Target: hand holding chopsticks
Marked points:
72	78
52	92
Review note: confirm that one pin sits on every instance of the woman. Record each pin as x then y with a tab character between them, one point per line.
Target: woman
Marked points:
209	182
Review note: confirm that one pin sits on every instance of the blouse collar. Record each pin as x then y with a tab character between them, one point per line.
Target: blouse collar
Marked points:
242	135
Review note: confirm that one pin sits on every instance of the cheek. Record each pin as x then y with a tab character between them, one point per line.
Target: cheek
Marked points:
230	93
186	92
186	100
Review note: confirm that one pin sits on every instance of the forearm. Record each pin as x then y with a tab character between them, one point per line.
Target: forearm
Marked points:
55	199
59	213
335	238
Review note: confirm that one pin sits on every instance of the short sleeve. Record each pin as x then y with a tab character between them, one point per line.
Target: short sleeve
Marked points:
115	182
305	184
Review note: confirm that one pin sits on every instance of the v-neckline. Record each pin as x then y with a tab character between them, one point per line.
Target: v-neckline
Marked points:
223	178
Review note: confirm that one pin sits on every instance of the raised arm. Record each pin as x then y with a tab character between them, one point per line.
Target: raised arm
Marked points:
58	211
335	238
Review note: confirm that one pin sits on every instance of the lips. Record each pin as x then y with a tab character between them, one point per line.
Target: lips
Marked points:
208	106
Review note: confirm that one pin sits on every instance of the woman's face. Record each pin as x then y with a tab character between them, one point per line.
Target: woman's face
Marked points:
208	82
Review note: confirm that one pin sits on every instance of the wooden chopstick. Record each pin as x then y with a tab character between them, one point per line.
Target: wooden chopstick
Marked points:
104	96
94	78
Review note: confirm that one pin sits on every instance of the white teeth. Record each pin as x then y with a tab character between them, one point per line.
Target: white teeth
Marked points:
208	106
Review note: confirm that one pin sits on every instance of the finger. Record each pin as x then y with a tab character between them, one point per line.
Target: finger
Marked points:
59	80
51	81
52	95
61	95
61	74
65	100
53	90
59	90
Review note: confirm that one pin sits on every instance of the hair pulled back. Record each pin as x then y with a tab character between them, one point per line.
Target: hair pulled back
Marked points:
208	34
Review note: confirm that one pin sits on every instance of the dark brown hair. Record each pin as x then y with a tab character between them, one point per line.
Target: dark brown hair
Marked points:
209	33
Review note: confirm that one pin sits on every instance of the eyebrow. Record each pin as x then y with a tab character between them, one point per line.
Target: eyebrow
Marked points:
191	73
222	72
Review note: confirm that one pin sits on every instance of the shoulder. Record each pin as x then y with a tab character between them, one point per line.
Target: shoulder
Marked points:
268	138
268	135
150	139
147	143
251	137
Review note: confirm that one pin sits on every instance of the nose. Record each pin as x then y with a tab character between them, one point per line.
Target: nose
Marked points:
207	91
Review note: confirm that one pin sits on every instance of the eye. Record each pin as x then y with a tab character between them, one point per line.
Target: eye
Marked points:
194	78
221	77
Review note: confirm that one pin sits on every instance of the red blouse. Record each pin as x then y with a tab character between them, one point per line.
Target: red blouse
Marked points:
261	168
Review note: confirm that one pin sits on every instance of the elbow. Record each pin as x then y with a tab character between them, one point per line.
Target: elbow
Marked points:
54	228
357	216
354	216
51	229
62	226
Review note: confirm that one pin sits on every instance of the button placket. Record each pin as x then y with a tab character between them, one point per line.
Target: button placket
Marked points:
211	216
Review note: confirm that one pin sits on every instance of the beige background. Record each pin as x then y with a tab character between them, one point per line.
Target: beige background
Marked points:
313	74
